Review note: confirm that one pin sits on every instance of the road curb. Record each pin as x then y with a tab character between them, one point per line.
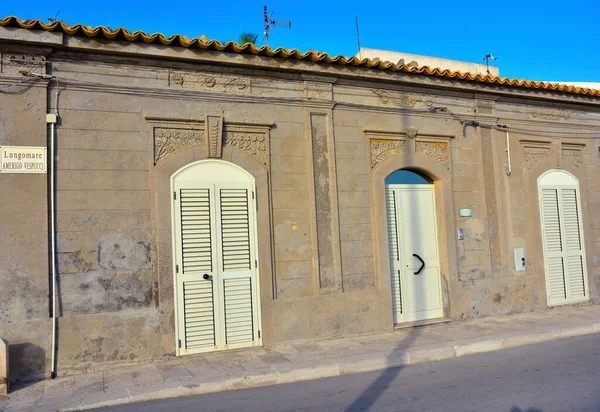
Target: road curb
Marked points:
350	365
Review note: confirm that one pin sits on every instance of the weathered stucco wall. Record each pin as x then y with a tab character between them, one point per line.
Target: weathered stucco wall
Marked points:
24	282
317	146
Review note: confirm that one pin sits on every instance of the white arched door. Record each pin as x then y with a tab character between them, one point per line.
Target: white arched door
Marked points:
562	233
414	254
215	259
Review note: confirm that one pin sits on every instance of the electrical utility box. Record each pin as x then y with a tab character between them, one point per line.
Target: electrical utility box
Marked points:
519	259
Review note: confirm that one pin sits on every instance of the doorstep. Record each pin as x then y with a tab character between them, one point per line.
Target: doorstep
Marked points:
424	322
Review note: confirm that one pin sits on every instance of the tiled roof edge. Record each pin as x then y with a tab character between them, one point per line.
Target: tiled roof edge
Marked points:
316	57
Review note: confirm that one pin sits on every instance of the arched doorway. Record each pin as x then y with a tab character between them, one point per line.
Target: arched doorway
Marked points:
215	258
562	234
413	245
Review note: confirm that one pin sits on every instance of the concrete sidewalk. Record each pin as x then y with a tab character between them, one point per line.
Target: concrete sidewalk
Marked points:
222	371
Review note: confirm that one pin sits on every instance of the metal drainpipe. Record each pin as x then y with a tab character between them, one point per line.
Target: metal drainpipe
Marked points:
508	169
51	121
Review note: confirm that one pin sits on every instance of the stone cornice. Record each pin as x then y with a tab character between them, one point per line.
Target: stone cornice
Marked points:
307	68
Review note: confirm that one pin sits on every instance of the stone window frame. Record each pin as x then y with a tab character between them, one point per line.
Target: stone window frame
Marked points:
442	180
161	215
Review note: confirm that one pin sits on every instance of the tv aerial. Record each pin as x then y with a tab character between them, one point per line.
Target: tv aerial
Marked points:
55	18
487	64
270	23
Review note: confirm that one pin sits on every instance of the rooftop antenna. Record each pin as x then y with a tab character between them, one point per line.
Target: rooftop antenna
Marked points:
270	23
358	37
486	58
53	19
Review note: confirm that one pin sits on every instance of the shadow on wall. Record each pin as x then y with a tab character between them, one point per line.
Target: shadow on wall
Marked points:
26	360
517	409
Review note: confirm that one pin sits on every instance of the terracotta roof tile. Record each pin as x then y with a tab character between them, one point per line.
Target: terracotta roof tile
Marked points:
181	41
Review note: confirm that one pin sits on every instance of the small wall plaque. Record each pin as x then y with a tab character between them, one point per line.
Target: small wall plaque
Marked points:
465	212
22	159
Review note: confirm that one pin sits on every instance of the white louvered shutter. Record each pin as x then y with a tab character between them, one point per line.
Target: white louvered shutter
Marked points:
563	245
557	290
393	241
575	279
196	257
237	264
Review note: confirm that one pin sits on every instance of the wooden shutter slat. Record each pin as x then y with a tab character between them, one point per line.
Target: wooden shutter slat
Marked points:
553	244
393	236
196	230
239	327
235	229
198	314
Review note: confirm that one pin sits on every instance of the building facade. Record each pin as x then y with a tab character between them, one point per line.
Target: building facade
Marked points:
213	197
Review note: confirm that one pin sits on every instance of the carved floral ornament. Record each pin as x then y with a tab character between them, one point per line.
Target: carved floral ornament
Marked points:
574	157
535	155
381	149
436	150
250	138
253	143
169	140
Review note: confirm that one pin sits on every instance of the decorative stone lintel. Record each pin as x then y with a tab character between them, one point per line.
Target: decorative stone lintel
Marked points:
171	135
386	144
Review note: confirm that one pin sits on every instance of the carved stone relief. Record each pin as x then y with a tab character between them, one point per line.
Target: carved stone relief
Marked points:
550	114
214	135
535	155
209	82
397	99
381	149
254	143
411	132
574	157
556	152
168	140
436	150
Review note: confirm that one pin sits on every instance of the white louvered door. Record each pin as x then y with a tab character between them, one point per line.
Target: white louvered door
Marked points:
237	264
414	254
564	255
195	234
574	264
216	266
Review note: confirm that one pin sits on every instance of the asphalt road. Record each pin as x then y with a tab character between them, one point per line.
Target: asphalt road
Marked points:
561	376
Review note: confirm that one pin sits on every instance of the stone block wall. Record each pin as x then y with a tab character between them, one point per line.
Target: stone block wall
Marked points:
323	139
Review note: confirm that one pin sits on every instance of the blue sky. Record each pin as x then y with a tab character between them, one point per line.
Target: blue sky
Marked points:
538	40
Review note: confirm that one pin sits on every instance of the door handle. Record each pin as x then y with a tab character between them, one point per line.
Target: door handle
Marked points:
422	263
207	276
